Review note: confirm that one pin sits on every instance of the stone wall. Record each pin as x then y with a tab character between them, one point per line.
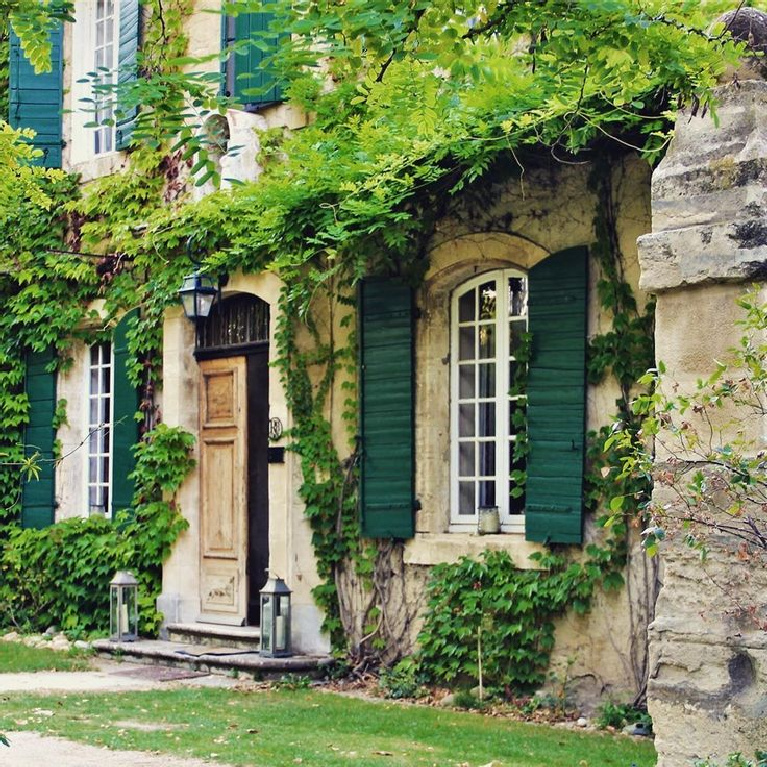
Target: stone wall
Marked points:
708	648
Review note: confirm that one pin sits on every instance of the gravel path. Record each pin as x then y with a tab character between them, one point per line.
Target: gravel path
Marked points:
30	749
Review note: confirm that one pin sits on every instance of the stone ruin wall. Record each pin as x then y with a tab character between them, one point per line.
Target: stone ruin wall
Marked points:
708	646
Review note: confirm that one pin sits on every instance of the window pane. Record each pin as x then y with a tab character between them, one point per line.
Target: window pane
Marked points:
466	420
487	419
517	329
517	296
466	382
487	380
466	306
466	506
93	411
487	459
466	453
466	344
487	494
487	341
487	301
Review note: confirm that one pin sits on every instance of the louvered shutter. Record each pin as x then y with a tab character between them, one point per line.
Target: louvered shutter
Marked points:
36	98
244	69
386	409
556	398
38	496
125	430
127	66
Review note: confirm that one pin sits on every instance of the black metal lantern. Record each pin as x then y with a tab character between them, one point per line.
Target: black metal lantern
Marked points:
123	607
198	293
275	619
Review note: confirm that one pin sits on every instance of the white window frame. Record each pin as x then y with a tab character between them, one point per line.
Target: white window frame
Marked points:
503	436
99	417
90	142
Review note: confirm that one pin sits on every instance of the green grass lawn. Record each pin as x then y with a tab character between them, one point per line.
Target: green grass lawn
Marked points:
274	728
16	657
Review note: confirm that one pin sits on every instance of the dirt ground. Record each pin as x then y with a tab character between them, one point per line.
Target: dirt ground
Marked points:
30	749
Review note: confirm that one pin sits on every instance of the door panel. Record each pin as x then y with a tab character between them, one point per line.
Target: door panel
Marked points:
223	490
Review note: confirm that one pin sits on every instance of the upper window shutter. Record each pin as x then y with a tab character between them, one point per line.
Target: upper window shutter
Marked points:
38	496
556	397
36	98
244	69
125	429
127	66
386	408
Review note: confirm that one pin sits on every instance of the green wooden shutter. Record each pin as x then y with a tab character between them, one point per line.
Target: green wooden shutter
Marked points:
127	66
38	496
386	405
36	98
556	397
244	69
125	431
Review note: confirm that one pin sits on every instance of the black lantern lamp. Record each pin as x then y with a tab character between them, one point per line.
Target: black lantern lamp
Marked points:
123	607
198	292
275	619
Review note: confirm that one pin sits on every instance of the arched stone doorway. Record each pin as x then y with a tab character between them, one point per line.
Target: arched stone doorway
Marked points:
232	350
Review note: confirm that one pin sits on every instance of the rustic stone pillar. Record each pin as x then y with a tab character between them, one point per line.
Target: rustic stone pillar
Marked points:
707	691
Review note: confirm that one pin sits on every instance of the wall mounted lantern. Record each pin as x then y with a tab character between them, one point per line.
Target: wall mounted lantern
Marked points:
123	607
275	619
198	292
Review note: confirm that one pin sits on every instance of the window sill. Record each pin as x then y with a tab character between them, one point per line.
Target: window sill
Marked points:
433	548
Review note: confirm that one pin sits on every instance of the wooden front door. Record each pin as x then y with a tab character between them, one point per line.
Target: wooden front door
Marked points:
224	491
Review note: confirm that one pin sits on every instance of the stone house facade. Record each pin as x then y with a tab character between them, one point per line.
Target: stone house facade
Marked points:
438	373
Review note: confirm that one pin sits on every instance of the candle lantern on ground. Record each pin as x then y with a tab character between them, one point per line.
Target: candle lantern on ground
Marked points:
275	619
123	607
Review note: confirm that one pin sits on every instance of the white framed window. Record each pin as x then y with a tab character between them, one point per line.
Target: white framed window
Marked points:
95	46
99	428
489	339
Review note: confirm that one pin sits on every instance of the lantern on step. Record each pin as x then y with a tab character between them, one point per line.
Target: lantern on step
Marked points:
275	619
123	607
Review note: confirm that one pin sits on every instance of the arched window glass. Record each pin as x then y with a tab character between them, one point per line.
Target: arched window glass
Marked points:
490	342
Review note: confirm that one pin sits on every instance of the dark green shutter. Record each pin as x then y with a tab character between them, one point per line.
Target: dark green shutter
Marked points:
244	69
556	397
386	405
125	431
38	496
127	66
36	98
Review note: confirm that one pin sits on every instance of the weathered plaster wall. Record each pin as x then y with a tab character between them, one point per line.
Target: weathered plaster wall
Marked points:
708	681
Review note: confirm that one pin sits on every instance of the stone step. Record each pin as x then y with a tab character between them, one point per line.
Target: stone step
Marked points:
218	659
214	635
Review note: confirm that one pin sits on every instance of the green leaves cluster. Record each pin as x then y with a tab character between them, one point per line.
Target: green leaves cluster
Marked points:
507	612
60	575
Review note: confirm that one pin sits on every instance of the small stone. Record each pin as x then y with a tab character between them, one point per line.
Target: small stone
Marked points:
51	631
639	729
11	636
60	644
447	701
582	722
81	644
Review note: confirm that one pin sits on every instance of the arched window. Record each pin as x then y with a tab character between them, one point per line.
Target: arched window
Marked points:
489	352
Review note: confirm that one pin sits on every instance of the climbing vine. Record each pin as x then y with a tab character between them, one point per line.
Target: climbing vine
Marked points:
431	106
